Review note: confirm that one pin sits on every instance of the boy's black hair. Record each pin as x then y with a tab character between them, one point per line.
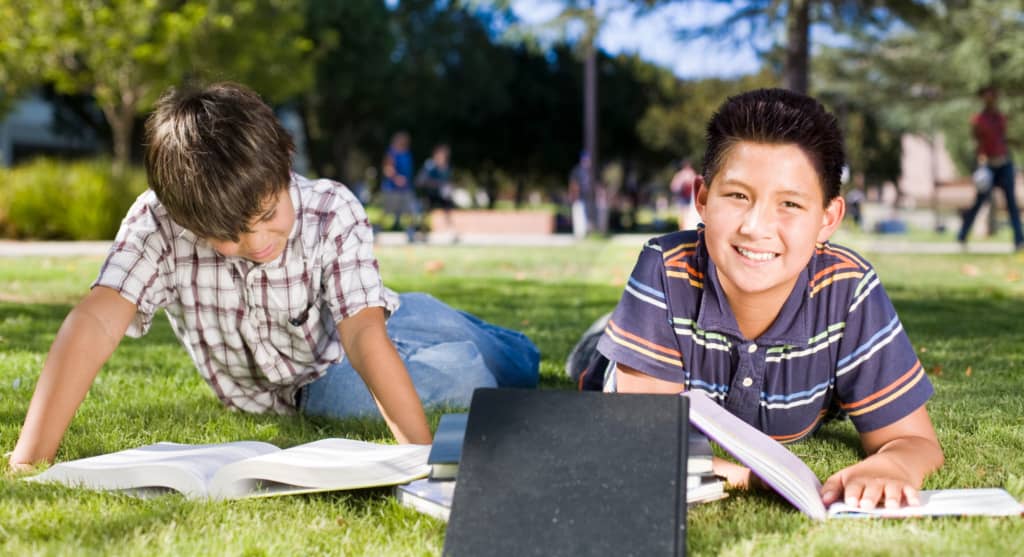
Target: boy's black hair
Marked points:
777	116
215	157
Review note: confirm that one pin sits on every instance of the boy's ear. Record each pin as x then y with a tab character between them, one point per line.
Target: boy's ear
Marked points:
700	196
832	218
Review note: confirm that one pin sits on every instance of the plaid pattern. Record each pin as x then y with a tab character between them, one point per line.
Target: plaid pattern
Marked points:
256	332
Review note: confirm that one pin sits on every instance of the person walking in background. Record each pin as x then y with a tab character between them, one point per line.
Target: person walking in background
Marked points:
434	183
581	197
399	197
681	187
989	129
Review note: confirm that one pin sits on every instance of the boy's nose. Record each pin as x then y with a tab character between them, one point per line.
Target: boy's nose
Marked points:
757	220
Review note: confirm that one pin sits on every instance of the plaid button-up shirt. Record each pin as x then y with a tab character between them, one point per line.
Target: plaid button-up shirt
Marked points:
256	332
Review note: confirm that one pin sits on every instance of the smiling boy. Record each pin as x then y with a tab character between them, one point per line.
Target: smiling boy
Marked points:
761	312
270	283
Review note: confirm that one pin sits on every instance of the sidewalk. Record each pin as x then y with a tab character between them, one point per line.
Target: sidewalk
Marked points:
881	244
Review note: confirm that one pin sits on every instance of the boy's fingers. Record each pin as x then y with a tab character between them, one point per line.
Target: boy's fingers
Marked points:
893	495
871	494
832	489
913	497
852	493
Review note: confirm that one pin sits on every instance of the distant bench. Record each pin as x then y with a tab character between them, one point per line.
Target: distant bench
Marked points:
496	221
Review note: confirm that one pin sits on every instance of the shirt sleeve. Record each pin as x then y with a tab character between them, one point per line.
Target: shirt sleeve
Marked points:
351	277
640	333
879	379
133	265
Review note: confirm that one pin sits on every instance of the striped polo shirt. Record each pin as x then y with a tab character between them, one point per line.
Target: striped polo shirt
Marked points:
837	343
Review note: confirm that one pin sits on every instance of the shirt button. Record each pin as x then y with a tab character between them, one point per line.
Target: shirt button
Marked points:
748	382
752	348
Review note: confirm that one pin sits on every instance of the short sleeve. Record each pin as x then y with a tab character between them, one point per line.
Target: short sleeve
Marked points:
351	278
133	264
879	379
640	333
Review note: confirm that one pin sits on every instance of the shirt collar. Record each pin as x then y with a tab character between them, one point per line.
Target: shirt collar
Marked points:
792	326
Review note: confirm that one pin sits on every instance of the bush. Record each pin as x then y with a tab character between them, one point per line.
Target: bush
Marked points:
56	200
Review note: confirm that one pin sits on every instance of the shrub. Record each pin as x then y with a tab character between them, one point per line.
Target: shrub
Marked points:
55	200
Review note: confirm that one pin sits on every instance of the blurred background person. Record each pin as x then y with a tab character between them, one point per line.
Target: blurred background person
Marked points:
434	183
989	130
681	187
399	197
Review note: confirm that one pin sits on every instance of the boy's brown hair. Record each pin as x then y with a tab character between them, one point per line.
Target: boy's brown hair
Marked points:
215	156
777	116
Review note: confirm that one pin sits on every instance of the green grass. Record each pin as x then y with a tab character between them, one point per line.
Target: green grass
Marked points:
964	313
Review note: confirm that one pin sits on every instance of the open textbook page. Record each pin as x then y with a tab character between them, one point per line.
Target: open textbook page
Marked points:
784	472
244	468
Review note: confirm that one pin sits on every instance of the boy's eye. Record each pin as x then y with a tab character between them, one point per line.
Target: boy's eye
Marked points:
791	205
736	195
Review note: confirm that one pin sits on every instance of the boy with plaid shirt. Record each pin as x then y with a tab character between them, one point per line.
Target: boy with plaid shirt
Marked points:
270	283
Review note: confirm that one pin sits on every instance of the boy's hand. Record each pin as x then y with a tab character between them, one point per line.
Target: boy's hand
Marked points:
878	479
900	456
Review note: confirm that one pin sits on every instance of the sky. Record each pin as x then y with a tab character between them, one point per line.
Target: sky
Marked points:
654	39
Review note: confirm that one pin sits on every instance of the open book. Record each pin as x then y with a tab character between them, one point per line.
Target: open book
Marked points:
245	468
791	478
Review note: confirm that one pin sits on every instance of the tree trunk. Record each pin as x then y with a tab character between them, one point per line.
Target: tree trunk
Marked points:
798	30
121	119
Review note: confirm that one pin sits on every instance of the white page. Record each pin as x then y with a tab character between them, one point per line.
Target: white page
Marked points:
327	464
766	457
184	468
943	502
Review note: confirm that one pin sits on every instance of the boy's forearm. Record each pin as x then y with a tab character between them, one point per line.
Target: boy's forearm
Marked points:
374	357
83	343
917	456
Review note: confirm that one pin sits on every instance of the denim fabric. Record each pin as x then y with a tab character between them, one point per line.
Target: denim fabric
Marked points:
448	353
1002	178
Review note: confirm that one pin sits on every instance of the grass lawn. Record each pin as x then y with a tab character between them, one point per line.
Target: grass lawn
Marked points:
964	313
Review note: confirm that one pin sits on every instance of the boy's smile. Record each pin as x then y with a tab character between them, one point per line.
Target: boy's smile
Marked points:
268	233
763	214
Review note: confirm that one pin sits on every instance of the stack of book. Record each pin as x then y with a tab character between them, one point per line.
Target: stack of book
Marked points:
433	495
702	485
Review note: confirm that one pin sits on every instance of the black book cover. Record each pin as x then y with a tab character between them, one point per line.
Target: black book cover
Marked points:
571	473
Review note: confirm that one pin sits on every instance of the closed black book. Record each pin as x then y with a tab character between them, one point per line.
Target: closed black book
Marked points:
571	473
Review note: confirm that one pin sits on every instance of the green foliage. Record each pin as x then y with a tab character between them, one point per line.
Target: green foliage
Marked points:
50	200
126	52
924	79
149	391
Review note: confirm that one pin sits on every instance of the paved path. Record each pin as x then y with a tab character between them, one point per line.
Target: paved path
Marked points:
10	248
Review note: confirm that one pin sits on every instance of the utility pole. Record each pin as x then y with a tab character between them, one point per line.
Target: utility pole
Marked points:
590	111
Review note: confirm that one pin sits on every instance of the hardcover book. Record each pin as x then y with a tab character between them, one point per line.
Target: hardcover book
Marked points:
571	473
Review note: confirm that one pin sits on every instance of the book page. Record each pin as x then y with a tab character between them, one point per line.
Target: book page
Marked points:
327	464
183	468
943	502
766	457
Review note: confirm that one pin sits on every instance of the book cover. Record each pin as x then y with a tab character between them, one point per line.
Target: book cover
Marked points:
571	473
784	472
447	448
244	468
430	497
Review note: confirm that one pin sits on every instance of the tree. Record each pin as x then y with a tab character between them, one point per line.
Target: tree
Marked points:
126	52
751	20
924	79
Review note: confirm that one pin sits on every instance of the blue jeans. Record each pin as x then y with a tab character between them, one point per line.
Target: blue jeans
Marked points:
1002	178
448	353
